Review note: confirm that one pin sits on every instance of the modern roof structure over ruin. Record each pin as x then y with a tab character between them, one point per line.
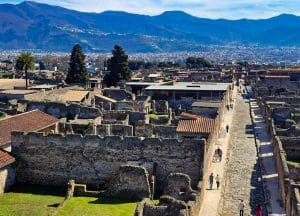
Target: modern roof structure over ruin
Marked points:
191	86
26	122
74	95
11	83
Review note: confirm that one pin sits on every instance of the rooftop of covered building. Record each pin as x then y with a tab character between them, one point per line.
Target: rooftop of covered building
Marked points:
34	120
5	158
74	95
18	92
195	124
192	86
11	83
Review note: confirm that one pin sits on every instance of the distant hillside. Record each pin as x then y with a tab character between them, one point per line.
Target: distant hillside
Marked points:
31	25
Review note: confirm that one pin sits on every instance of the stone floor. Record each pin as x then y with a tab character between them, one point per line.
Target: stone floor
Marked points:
243	177
268	163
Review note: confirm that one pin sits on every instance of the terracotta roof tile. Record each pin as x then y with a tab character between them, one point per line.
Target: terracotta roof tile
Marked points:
5	158
27	122
198	124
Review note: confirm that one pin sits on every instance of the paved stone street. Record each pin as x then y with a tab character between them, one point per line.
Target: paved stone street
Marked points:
268	163
243	177
210	204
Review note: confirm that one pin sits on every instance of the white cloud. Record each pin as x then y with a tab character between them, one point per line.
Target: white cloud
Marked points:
232	9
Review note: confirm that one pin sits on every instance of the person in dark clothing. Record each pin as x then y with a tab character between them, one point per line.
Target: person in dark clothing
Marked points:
227	128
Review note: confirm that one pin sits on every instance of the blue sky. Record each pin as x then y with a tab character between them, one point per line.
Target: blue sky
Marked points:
231	9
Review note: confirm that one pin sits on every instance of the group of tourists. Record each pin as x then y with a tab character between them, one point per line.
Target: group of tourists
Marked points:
212	178
218	154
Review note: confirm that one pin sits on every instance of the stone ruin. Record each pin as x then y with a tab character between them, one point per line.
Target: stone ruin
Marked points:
281	113
178	199
99	162
130	182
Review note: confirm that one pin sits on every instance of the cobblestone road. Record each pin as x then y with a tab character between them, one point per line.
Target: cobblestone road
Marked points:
242	173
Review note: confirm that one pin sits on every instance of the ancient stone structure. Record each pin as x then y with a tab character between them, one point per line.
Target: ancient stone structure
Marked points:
131	183
168	206
92	160
284	138
179	187
60	110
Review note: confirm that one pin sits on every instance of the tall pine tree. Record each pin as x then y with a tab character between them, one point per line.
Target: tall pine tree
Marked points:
77	72
118	64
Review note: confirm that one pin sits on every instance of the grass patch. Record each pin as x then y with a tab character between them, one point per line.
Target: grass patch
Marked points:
154	202
90	206
30	201
155	116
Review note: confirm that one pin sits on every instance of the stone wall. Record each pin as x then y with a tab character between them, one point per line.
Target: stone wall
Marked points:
291	146
92	160
135	117
179	187
168	206
165	131
115	117
7	177
60	110
160	107
130	183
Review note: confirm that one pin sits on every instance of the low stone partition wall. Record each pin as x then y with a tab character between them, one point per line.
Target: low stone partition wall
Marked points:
115	117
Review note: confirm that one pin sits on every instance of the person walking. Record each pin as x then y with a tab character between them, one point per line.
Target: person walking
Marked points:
258	210
219	153
218	181
241	207
227	128
211	181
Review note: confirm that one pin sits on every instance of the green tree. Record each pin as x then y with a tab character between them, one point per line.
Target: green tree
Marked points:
77	72
25	62
196	63
118	65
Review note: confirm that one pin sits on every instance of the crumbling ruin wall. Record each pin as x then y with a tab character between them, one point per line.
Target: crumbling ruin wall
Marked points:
115	117
131	183
61	110
165	131
143	130
178	185
160	107
291	146
92	160
114	130
7	177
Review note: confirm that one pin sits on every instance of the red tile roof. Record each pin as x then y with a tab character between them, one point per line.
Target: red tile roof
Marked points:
5	159
198	124
26	122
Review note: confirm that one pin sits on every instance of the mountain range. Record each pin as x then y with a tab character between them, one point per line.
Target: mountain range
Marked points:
31	25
